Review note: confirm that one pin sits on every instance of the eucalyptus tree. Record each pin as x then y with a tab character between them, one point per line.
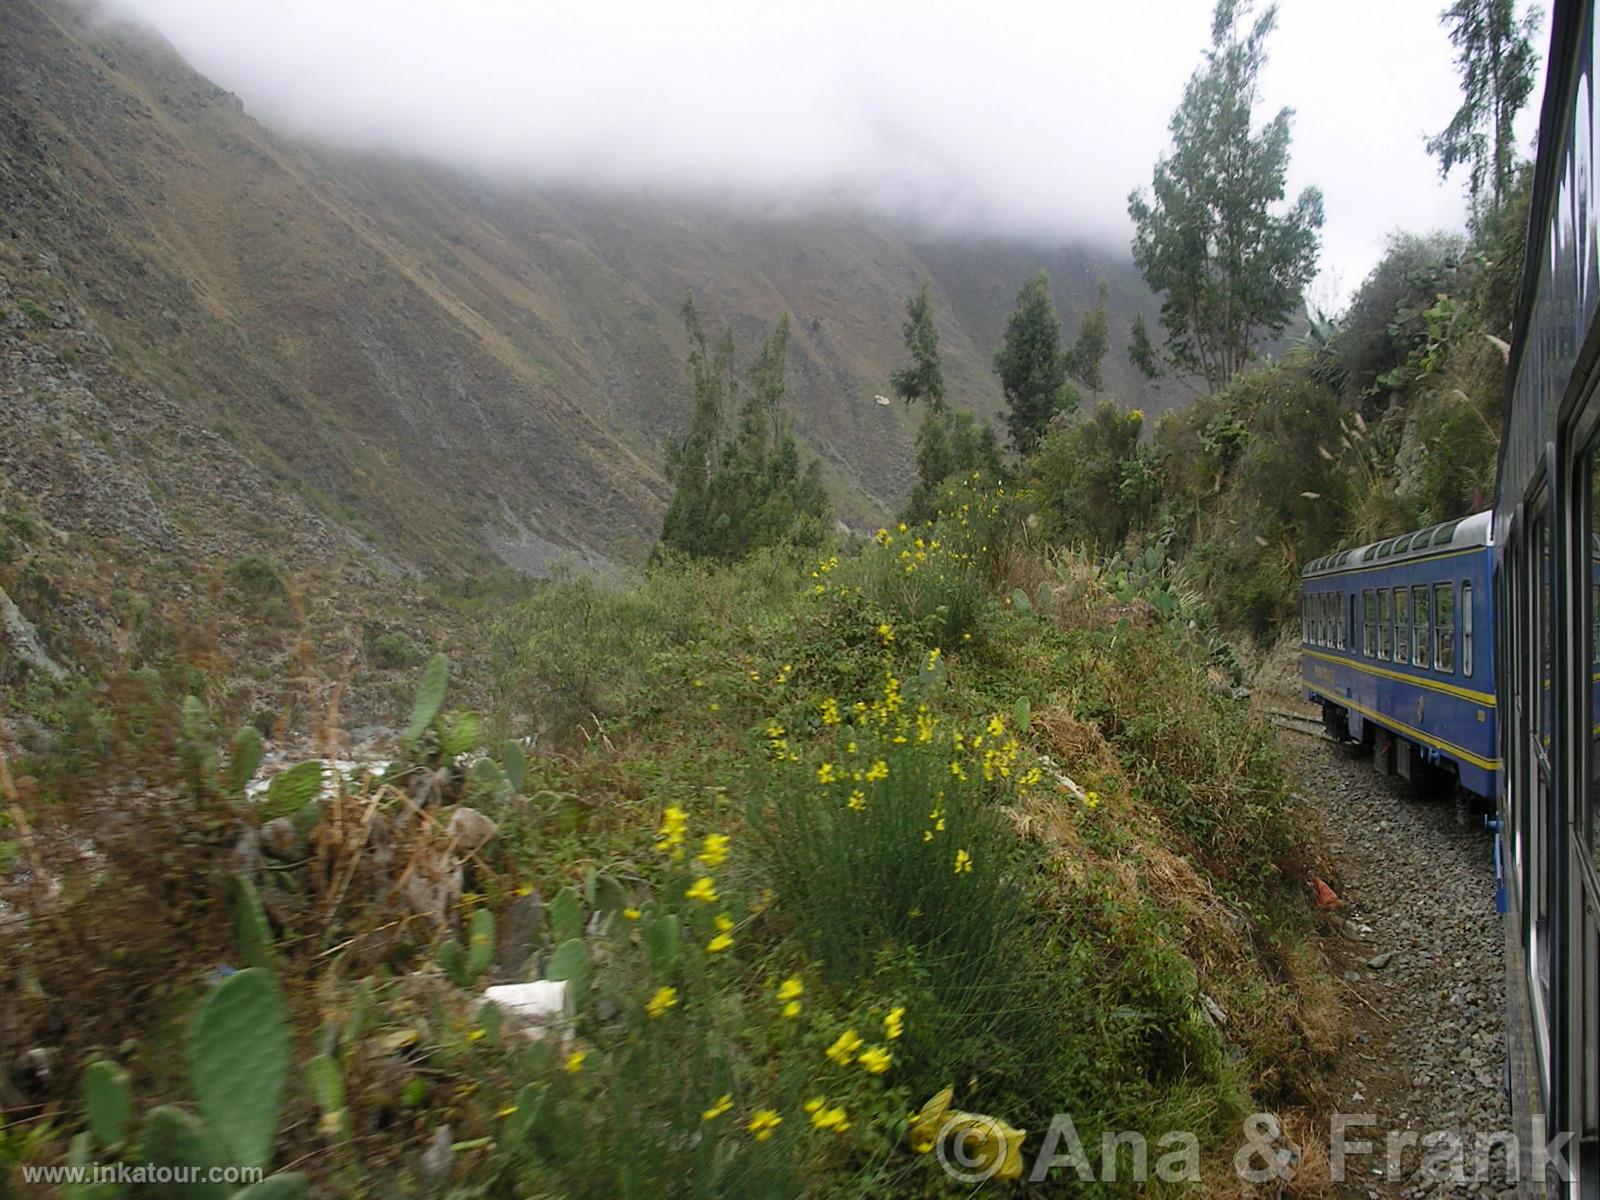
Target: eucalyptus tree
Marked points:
1496	60
1213	237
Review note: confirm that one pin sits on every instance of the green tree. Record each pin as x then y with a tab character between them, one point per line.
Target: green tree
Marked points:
949	445
1229	267
1141	352
1096	482
1094	339
1032	366
1496	59
737	493
924	378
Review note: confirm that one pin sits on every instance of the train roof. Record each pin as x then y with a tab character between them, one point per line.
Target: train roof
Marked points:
1466	534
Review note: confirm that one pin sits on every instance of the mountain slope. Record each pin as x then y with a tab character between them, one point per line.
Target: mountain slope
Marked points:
454	369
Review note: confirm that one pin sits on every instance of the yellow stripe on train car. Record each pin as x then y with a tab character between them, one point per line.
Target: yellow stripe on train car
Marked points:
1484	698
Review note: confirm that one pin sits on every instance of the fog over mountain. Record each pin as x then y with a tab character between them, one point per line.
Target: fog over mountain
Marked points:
1015	117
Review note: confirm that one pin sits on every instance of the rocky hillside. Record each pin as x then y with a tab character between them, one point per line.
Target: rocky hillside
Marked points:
448	370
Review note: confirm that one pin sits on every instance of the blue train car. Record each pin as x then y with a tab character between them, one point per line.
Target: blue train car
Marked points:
1397	645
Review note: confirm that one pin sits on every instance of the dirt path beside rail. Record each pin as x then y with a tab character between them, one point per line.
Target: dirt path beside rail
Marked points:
1420	952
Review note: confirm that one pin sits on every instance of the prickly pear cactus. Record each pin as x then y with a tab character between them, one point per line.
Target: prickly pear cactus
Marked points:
108	1101
571	963
244	757
173	1138
514	762
430	696
452	959
565	914
480	943
325	1082
238	1053
661	941
251	929
292	789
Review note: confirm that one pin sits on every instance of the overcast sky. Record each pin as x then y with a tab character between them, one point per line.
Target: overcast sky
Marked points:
1028	116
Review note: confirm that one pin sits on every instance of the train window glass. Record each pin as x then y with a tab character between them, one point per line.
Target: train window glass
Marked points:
1341	633
1402	621
1466	627
1420	631
1369	623
1384	618
1355	627
1444	627
1322	620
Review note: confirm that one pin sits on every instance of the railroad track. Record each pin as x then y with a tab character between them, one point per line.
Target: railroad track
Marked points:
1297	723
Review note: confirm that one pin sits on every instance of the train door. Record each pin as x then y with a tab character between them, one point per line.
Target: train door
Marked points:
1581	835
1535	782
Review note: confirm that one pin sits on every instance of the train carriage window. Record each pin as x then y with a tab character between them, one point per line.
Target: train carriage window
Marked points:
1342	640
1466	627
1420	631
1305	617
1444	627
1402	622
1355	628
1369	630
1322	620
1383	623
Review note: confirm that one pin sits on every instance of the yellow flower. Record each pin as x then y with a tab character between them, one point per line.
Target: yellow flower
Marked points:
886	632
575	1061
894	1023
724	923
996	725
844	1047
830	711
714	851
763	1123
963	861
825	773
631	913
791	988
674	823
875	1060
857	801
702	889
719	943
878	770
1092	800
477	1035
665	998
823	1117
791	1010
723	1104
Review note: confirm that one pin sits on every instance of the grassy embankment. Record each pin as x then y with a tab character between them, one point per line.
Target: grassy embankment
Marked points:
814	840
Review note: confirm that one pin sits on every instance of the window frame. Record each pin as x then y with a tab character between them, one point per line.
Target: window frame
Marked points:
1465	609
1422	630
1385	624
1402	627
1369	623
1444	628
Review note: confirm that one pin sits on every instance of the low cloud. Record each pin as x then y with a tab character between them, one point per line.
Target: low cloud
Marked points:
1025	117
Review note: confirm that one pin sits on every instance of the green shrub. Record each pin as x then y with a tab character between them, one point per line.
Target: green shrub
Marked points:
34	311
256	575
396	650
